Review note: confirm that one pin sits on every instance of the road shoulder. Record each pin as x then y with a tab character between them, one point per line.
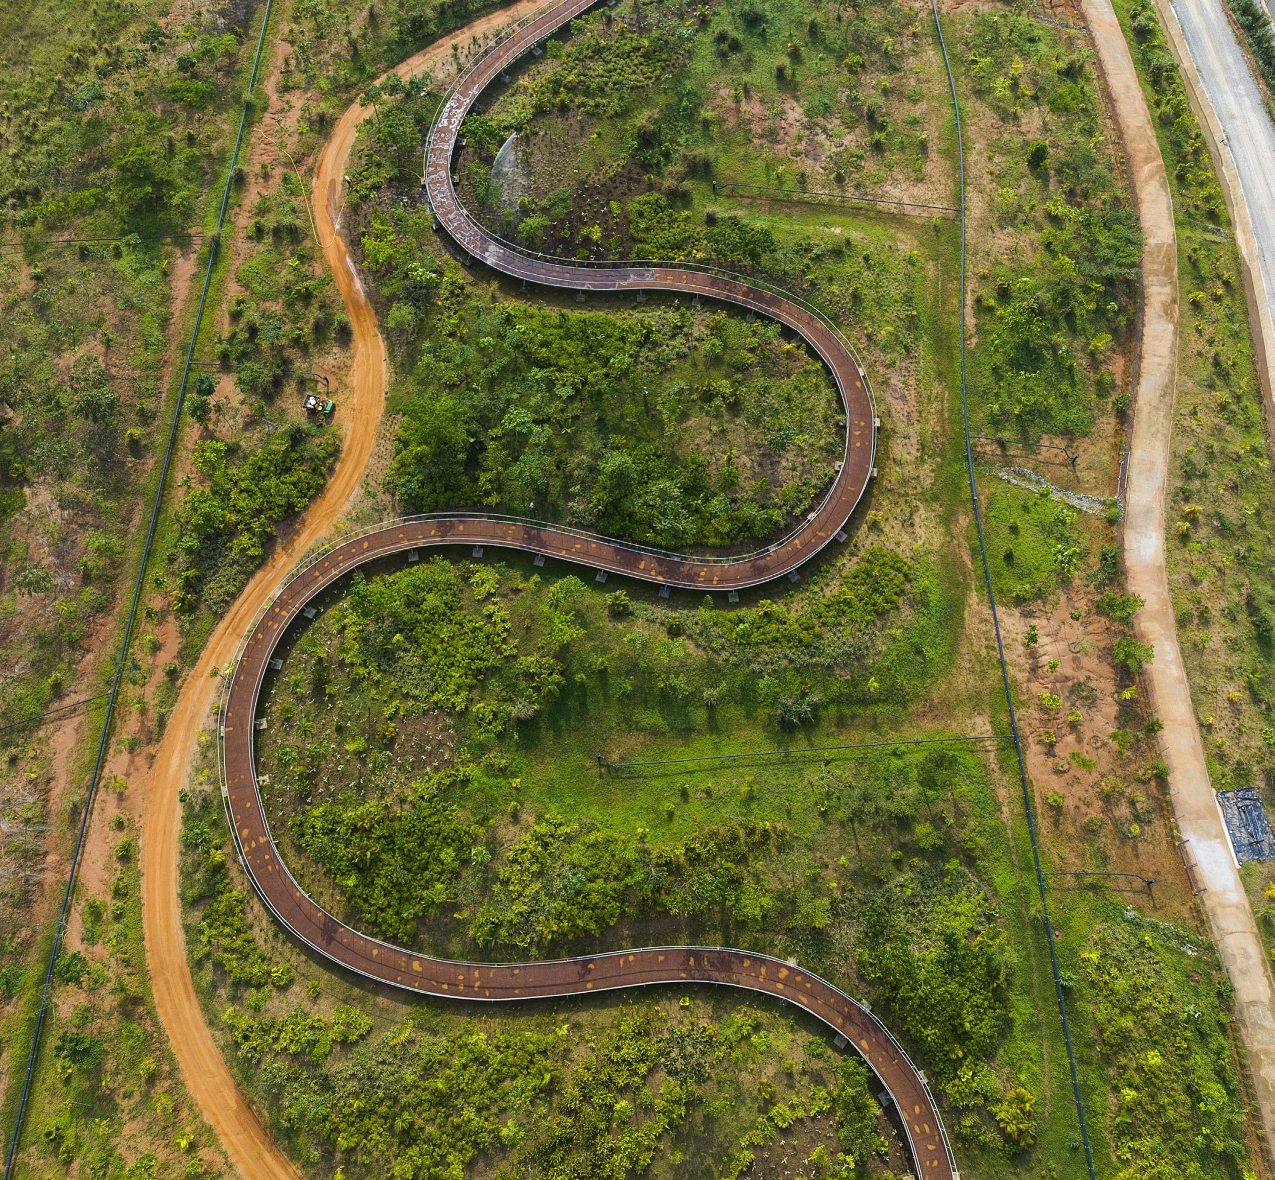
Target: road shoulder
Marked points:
1260	301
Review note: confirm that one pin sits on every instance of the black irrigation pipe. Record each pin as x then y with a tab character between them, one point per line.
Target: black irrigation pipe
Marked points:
1000	645
36	718
1072	456
1147	881
797	750
805	192
133	605
93	241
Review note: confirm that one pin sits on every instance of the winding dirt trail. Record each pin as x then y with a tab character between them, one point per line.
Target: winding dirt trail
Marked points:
206	1075
1194	802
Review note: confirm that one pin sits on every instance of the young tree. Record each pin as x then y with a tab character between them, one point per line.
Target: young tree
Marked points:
199	400
145	179
429	470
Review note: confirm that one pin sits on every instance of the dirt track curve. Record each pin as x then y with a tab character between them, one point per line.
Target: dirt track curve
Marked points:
252	1151
206	1073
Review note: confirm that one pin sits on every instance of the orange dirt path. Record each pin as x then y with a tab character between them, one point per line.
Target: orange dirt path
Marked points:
250	1148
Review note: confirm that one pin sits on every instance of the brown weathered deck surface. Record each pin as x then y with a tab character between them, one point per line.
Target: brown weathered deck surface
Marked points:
316	928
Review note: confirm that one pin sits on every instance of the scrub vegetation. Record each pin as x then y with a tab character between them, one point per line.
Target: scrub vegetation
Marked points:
112	132
255	459
527	680
450	750
109	128
1055	264
109	1100
670	427
116	126
458	750
656	1084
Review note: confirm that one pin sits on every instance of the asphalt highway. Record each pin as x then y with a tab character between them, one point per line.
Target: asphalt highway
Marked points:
1248	131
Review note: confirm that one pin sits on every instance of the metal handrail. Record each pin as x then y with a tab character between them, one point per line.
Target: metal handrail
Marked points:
712	559
621	263
309	560
708	269
228	683
318	552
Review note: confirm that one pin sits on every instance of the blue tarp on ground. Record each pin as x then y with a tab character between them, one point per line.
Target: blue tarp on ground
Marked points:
1250	830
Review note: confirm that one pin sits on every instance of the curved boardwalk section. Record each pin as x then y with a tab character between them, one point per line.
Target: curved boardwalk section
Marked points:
823	524
378	961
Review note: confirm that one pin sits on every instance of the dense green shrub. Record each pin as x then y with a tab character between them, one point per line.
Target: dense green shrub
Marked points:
857	1130
558	883
599	69
565	881
227	518
624	424
395	867
223	935
1177	1098
426	638
410	636
295	1033
585	1137
931	943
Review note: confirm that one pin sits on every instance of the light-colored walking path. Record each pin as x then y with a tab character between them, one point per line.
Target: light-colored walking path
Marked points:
1194	803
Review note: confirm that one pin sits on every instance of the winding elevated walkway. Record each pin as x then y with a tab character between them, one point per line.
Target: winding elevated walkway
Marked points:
326	935
856	468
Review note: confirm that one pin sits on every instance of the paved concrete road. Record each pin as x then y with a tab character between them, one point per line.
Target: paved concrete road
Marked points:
1194	803
1245	137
